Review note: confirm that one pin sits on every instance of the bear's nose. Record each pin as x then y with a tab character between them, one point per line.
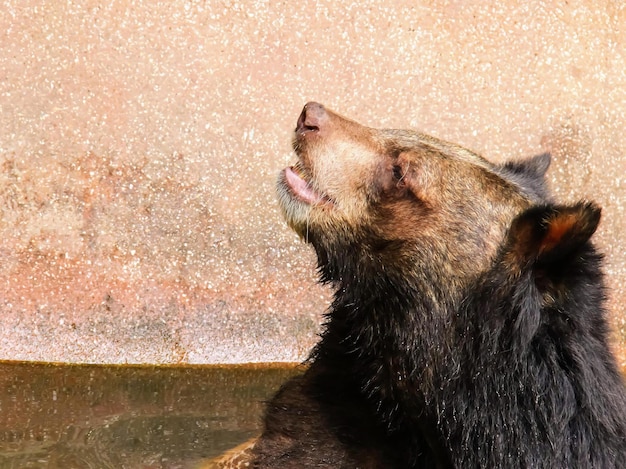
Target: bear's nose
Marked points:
312	118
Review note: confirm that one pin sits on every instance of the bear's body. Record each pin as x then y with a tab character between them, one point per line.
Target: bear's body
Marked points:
467	328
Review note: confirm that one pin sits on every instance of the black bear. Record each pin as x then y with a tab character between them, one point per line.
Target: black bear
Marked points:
467	328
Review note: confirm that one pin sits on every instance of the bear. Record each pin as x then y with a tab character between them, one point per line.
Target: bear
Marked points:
467	327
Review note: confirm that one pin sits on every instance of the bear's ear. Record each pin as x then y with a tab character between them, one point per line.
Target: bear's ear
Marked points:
537	166
544	234
529	174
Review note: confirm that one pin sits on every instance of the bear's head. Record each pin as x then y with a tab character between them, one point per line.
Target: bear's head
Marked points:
382	204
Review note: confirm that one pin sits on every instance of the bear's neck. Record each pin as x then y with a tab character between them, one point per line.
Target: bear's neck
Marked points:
390	332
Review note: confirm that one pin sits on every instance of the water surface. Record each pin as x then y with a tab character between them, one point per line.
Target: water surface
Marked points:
54	416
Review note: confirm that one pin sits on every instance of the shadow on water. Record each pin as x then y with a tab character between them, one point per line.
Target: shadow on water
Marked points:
68	416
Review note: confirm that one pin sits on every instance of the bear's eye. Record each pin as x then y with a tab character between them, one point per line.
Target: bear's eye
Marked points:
398	172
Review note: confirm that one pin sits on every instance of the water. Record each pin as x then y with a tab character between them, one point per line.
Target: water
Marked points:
54	416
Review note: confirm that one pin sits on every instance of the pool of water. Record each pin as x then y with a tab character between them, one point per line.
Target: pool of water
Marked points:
68	416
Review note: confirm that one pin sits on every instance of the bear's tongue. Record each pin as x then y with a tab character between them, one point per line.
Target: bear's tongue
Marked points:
301	188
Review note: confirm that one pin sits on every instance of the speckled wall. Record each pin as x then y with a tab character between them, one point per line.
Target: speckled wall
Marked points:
140	141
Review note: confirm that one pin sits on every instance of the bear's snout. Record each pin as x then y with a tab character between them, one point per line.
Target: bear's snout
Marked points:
312	118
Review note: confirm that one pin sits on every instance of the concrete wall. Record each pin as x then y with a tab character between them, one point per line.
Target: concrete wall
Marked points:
140	143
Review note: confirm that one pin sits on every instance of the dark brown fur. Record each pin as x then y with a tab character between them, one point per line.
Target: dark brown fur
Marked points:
467	328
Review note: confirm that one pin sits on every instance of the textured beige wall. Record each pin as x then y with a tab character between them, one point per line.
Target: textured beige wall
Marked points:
140	141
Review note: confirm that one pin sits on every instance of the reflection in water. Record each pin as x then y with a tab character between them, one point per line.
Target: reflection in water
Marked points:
128	417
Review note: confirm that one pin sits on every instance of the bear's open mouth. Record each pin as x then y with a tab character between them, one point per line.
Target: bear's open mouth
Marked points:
297	180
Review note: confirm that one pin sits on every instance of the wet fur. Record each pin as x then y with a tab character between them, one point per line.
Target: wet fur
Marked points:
421	365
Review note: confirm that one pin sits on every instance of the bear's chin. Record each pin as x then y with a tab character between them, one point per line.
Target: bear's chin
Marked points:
299	201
